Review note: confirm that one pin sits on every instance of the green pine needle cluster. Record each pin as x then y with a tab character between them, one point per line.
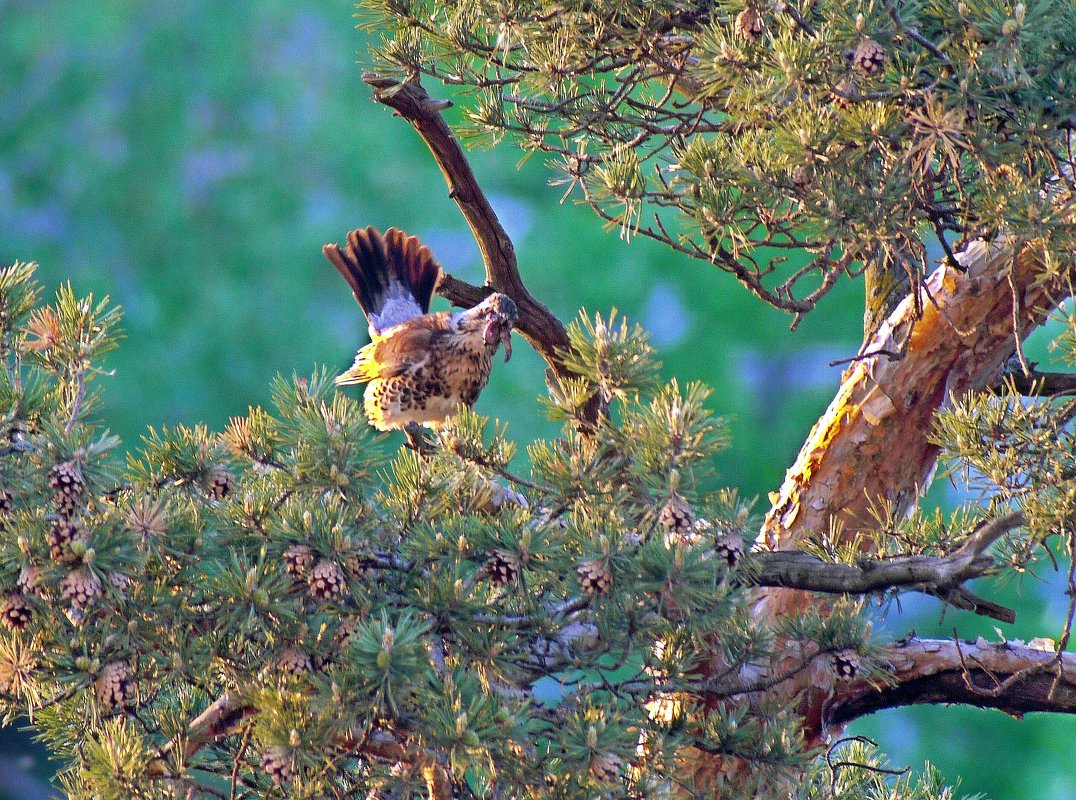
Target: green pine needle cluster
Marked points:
370	614
788	144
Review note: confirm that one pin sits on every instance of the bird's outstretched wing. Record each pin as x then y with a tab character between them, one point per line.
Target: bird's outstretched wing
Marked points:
399	350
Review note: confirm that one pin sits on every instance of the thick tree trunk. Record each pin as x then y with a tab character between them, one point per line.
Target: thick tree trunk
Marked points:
873	444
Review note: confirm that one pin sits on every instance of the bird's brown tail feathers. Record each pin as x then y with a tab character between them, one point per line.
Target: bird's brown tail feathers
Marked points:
371	263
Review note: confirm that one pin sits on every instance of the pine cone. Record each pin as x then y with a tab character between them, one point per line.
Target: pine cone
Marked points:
326	580
846	665
62	535
347	630
678	521
749	24
869	57
113	685
221	483
298	559
802	175
294	661
606	767
81	588
7	501
120	582
359	565
730	548
15	612
595	577
501	568
278	764
842	92
29	580
67	484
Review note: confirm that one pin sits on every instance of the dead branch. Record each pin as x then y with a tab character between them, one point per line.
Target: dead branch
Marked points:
937	575
1040	384
1008	676
537	323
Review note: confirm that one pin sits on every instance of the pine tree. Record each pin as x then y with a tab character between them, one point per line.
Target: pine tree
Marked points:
288	608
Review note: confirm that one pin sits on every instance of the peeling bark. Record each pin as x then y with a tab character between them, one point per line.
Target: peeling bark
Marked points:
873	444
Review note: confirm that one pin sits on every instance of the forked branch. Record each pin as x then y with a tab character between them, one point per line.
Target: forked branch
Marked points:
537	323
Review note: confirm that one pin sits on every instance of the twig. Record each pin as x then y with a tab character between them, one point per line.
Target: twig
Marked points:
834	766
76	402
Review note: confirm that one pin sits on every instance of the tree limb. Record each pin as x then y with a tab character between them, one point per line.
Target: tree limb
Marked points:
1007	676
1041	384
937	575
537	323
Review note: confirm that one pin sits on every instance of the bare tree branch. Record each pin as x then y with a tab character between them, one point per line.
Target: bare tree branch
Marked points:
937	575
1041	384
537	323
1008	676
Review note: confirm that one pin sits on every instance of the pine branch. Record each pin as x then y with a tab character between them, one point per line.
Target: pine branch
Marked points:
537	323
1007	676
937	575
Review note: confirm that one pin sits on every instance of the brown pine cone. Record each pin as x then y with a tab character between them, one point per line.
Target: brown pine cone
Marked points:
67	484
749	24
278	764
29	580
120	582
327	580
869	57
843	92
502	567
81	588
730	549
61	537
678	521
15	612
846	665
298	559
344	634
112	685
802	175
294	661
221	483
359	565
595	577
606	767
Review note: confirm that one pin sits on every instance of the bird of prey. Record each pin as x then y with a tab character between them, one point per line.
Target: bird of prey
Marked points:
418	366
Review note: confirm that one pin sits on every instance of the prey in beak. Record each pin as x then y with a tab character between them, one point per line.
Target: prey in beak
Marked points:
500	317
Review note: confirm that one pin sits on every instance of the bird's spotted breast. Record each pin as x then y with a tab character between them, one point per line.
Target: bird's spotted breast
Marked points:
456	372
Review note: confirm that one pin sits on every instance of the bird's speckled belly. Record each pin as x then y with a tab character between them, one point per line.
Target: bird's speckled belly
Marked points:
430	392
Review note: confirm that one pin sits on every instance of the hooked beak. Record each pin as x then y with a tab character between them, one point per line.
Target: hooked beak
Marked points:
506	339
499	329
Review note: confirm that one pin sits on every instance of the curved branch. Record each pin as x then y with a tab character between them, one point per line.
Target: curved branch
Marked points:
937	575
1007	676
537	323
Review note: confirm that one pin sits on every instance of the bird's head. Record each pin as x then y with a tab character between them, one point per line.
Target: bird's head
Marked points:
493	320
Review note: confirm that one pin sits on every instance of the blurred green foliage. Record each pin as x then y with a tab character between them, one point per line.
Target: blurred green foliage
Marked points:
190	160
